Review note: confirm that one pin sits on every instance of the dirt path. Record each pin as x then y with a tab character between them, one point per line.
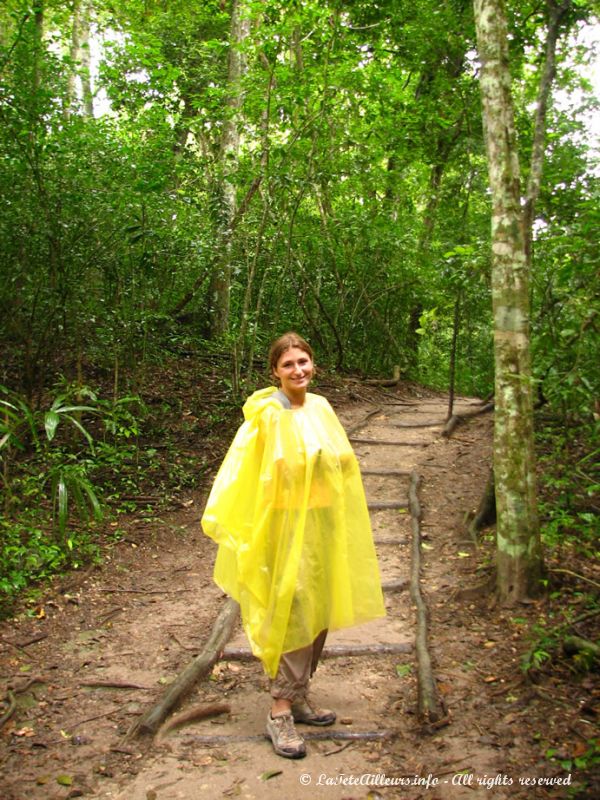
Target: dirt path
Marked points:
142	617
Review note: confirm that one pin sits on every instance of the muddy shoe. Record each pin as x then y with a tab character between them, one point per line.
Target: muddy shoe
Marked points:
302	711
287	742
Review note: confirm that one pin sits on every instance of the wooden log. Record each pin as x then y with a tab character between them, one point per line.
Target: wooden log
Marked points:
356	440
430	708
200	666
330	651
407	403
363	421
395	586
385	472
430	424
380	505
114	685
458	419
315	736
393	381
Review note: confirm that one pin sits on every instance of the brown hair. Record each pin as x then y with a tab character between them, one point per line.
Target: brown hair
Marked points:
285	342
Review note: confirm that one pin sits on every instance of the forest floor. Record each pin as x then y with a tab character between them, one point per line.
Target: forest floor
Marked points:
104	644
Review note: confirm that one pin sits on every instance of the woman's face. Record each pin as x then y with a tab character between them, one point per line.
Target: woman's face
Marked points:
295	370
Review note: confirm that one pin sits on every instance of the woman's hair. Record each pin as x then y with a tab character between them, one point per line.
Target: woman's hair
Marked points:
285	342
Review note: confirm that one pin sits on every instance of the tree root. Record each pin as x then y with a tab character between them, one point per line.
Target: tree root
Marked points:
458	419
365	736
393	381
380	505
486	510
329	651
430	708
192	714
357	440
12	706
221	632
362	422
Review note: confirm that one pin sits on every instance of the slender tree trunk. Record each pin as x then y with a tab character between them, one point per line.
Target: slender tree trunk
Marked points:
557	12
79	54
220	285
85	72
74	52
519	558
453	349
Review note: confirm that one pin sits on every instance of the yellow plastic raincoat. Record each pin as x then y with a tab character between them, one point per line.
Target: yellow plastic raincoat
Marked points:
288	511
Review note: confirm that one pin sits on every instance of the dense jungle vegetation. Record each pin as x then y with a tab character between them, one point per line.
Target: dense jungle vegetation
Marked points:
180	182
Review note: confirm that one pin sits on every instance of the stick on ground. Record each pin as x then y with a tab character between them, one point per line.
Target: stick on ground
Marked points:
430	708
196	669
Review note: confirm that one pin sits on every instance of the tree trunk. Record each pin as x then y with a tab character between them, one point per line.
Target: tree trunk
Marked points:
79	54
556	15
453	348
519	557
84	57
220	285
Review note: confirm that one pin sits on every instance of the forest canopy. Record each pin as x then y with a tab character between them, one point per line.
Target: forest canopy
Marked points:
197	177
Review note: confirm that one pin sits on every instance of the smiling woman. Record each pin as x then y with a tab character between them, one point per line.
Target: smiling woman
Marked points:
288	511
291	363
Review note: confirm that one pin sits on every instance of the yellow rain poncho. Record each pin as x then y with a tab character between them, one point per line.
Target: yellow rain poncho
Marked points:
288	511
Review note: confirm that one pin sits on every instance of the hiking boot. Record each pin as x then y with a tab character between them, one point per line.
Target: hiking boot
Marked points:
302	711
287	742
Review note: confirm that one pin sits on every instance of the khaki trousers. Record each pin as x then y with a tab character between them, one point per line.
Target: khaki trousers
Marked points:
296	669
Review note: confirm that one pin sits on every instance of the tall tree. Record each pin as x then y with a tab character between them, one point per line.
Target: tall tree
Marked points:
226	192
519	558
80	57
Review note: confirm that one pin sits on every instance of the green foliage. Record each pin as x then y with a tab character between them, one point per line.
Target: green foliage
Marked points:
590	758
362	218
569	485
52	480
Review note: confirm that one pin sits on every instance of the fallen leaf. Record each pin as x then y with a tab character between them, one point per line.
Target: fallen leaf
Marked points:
25	732
271	773
579	749
402	670
490	679
64	780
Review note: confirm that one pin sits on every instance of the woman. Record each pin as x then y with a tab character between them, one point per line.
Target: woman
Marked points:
288	511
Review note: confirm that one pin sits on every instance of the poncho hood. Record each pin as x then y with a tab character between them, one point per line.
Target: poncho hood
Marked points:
258	401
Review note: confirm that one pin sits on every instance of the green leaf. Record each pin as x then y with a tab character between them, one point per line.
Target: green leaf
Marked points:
64	780
403	670
63	504
271	773
78	425
51	420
